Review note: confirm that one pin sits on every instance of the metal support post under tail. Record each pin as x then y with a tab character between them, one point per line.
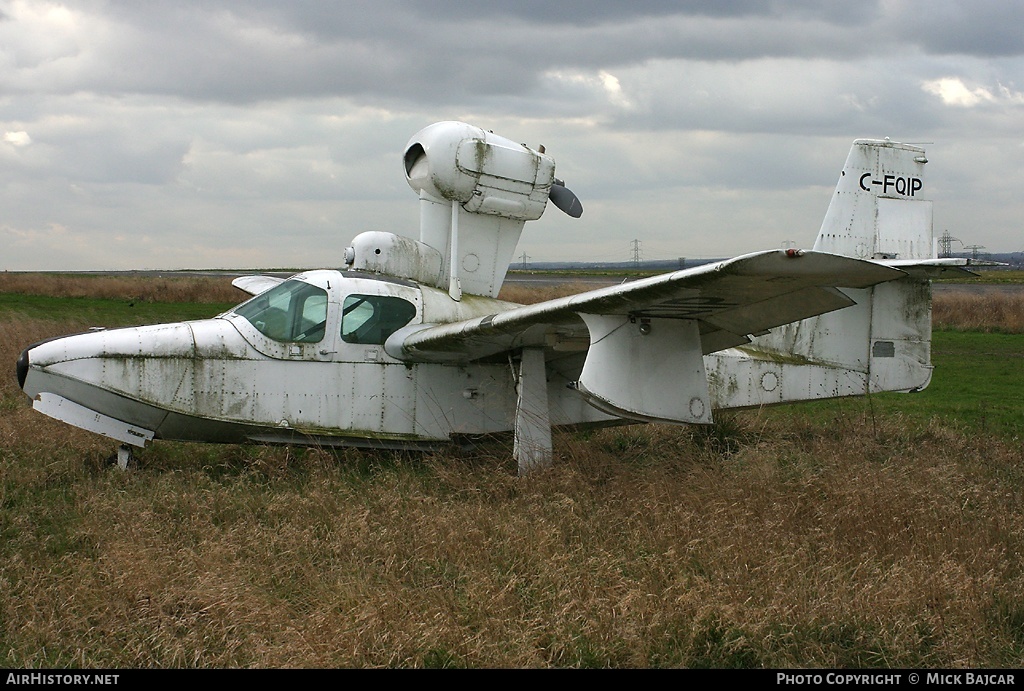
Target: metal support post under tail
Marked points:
532	440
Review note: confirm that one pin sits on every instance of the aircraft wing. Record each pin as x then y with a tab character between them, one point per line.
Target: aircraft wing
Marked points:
254	285
729	300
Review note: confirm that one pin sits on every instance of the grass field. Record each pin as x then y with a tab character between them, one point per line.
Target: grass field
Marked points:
879	532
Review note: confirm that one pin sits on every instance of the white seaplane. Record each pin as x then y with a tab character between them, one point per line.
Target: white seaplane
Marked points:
408	345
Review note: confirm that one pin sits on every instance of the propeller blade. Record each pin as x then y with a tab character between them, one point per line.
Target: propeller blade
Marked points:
562	197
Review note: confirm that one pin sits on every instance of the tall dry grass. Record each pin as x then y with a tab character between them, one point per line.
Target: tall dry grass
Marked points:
646	546
762	541
526	294
195	289
965	311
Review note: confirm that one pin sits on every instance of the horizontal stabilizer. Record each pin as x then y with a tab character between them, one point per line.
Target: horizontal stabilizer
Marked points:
946	267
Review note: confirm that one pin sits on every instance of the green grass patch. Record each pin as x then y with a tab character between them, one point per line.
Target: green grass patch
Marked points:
104	312
994	277
978	380
978	385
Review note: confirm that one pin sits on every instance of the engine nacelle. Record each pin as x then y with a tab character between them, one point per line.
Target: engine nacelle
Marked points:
386	253
485	173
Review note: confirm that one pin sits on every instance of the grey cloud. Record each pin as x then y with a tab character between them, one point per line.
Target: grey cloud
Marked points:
982	28
274	130
450	52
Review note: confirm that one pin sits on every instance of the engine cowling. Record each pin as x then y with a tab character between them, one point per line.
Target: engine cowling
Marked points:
386	253
485	173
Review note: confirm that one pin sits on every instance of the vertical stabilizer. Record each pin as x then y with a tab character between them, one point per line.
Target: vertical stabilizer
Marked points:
881	343
879	209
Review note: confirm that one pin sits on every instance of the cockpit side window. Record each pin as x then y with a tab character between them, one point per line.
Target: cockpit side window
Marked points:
370	319
293	312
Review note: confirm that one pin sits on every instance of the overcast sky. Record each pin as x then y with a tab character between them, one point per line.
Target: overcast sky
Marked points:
223	133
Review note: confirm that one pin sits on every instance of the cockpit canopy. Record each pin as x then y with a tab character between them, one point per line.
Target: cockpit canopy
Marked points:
297	312
292	312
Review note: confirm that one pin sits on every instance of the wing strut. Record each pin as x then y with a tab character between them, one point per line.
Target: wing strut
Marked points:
532	447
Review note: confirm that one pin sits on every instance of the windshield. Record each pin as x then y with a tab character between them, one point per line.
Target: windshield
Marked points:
293	312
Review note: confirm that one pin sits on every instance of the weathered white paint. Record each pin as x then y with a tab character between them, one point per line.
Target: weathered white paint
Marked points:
481	185
766	328
72	413
394	255
880	208
646	369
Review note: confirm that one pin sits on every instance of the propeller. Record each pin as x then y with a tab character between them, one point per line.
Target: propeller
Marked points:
564	198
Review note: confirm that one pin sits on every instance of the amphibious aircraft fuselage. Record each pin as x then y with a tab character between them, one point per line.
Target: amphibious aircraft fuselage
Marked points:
305	361
408	345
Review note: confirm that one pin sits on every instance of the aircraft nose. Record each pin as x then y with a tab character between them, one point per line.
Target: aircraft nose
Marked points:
23	368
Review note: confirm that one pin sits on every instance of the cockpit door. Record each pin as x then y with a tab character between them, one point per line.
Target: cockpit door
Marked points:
296	320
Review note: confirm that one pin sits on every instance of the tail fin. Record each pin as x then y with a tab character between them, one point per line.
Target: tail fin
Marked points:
882	343
878	210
